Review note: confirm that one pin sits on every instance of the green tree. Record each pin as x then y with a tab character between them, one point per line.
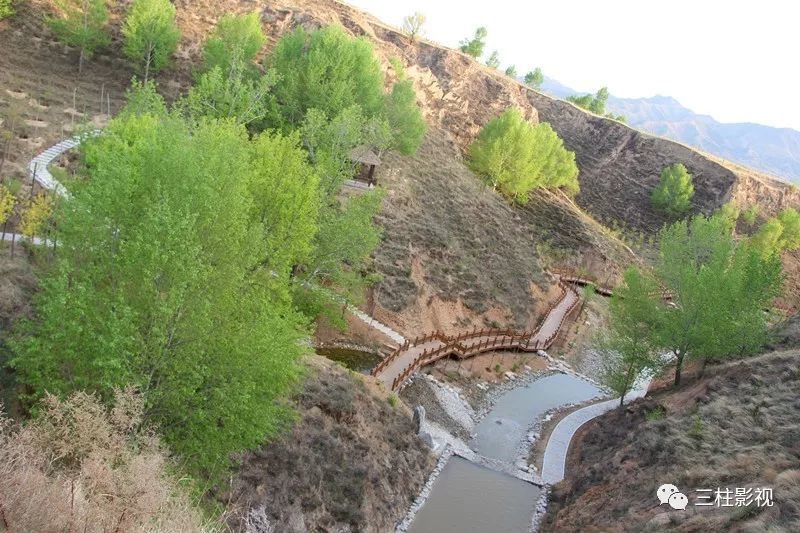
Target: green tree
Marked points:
511	71
474	47
149	291
494	60
779	233
750	215
233	94
151	34
328	71
81	23
629	349
405	118
7	203
720	287
534	78
413	24
595	103
236	41
516	157
674	192
6	9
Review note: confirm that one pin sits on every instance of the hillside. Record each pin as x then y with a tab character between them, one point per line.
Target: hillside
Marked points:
771	150
618	165
735	427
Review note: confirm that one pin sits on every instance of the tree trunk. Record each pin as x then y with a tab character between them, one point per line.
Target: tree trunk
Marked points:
621	401
678	368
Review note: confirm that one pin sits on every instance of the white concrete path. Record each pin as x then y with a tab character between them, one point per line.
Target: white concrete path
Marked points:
555	453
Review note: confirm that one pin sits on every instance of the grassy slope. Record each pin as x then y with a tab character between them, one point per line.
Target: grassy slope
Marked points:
737	427
352	460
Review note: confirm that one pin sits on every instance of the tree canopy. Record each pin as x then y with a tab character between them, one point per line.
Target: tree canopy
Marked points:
516	157
166	262
83	24
151	34
674	192
534	78
236	40
720	287
474	47
778	233
330	73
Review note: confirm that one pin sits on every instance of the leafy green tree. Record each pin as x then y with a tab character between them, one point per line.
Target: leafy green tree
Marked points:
595	103
330	141
750	215
629	349
328	71
151	34
494	60
413	24
674	192
779	233
474	47
6	9
535	78
720	287
511	71
81	23
405	119
235	42
516	157
148	291
233	94
343	246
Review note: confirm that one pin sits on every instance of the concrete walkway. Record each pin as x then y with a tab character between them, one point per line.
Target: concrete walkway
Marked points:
555	453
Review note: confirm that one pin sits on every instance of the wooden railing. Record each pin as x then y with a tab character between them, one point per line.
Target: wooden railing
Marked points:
492	339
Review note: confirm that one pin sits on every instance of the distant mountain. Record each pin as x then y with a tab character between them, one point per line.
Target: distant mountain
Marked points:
772	150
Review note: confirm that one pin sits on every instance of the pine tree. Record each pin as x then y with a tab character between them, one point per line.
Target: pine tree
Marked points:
674	192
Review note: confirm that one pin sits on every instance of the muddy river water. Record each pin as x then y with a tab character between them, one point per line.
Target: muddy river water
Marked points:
470	498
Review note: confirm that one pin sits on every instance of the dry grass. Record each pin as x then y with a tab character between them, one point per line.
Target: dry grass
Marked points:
739	427
79	467
351	463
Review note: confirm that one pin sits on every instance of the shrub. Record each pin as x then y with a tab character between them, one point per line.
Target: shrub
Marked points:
235	40
674	192
474	47
751	215
6	9
81	467
516	157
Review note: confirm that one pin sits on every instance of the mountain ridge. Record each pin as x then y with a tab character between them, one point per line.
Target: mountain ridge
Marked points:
767	149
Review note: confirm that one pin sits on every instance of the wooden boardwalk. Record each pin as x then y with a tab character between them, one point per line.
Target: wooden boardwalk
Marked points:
397	367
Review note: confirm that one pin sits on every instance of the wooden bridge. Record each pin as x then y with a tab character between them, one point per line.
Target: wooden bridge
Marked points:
395	369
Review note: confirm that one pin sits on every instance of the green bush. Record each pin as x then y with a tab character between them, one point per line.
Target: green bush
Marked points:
6	9
515	157
330	73
674	192
235	40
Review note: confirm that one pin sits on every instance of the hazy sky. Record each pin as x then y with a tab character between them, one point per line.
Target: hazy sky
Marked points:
738	61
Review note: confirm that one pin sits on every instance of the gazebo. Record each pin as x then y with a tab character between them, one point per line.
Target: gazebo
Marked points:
367	160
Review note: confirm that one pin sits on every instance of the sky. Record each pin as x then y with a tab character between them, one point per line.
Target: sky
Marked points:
734	60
